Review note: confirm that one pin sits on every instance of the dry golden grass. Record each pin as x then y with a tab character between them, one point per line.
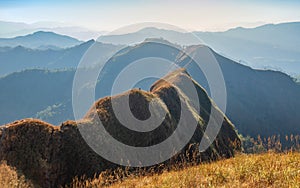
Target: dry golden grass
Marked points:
10	178
252	170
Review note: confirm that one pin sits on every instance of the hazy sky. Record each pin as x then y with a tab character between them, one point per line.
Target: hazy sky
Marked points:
188	14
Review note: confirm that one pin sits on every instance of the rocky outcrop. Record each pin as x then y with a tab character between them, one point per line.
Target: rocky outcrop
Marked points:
53	155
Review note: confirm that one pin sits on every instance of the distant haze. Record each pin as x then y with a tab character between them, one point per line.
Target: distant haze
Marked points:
189	14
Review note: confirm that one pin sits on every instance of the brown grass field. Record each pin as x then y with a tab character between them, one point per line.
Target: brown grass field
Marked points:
245	170
9	177
268	165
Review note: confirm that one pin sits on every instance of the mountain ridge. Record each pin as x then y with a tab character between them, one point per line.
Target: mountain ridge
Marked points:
273	46
20	57
272	92
51	157
13	29
40	38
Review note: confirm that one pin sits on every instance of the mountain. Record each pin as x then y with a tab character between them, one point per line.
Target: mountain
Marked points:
149	32
283	35
258	102
271	46
53	156
40	39
255	98
20	58
31	93
14	29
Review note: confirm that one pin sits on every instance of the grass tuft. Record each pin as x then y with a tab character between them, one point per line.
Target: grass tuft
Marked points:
10	178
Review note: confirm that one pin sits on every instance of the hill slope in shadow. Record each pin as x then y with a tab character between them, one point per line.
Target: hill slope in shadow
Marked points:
20	58
258	102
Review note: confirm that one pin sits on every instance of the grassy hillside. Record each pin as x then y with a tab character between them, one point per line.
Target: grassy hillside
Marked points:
53	155
258	170
9	177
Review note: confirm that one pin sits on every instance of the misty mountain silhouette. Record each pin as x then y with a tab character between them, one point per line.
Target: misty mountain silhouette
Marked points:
21	58
259	102
271	46
40	39
150	32
13	29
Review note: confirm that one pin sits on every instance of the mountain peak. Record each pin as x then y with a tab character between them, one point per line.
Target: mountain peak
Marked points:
149	29
43	32
40	38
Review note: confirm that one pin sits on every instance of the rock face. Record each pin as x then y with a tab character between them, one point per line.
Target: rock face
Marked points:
53	155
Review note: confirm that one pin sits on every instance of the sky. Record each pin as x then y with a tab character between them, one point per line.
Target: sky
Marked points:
188	14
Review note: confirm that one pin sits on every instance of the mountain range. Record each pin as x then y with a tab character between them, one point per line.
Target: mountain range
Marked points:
21	58
267	47
14	29
271	46
40	40
258	102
